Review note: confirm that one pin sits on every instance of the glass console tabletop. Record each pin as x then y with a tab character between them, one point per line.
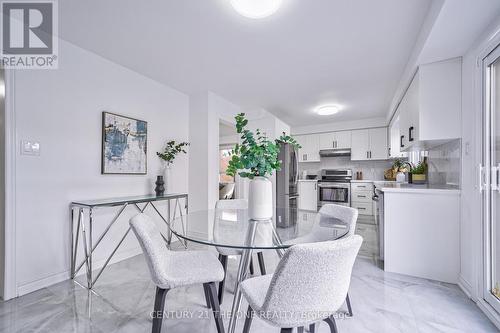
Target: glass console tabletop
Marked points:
230	228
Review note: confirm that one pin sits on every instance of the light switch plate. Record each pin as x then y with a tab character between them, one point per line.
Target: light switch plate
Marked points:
29	147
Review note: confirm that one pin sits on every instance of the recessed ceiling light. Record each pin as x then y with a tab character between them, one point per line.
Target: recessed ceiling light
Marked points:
256	8
326	110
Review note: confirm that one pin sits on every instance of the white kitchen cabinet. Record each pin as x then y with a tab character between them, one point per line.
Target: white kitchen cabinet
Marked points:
327	140
360	145
335	140
395	139
310	147
308	195
378	143
361	197
421	234
343	139
369	144
430	109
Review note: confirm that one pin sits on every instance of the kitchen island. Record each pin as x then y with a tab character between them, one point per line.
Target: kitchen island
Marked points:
421	230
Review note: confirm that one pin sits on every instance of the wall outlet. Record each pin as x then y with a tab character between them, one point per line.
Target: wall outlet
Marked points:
29	147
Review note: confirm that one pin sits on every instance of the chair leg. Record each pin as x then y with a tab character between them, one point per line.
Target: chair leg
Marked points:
248	320
222	284
251	266
286	330
212	291
207	297
312	328
261	263
158	309
348	302
331	322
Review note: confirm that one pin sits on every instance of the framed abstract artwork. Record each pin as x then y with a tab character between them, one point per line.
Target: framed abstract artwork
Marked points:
124	145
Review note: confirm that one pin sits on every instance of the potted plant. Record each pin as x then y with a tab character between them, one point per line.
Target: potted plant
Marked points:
168	155
418	173
256	158
399	168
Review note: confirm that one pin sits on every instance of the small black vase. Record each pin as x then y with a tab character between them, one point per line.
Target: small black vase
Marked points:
160	186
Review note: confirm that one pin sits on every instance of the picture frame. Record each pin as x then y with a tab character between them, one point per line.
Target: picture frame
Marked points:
124	145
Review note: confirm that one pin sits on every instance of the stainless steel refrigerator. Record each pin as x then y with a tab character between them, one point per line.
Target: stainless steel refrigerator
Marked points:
287	194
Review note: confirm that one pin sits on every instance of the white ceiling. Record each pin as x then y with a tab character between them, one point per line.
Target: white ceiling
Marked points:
352	53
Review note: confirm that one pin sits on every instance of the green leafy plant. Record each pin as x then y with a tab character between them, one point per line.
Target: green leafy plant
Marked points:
401	165
419	169
256	155
171	150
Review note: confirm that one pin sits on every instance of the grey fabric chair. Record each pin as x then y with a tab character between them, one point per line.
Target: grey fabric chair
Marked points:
347	216
331	213
224	252
171	269
308	286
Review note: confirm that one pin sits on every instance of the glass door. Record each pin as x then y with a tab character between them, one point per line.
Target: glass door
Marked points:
491	191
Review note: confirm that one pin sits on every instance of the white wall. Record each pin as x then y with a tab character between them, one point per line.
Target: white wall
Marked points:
471	156
2	183
471	229
62	110
340	126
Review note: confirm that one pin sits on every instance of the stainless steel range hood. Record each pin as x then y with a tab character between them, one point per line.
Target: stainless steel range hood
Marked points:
334	152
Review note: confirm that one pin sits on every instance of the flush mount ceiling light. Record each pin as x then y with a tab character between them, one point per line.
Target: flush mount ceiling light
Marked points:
256	9
326	110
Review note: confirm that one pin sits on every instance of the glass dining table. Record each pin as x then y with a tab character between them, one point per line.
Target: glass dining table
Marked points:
232	228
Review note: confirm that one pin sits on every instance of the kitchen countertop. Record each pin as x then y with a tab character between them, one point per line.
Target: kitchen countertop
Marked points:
308	180
416	188
372	181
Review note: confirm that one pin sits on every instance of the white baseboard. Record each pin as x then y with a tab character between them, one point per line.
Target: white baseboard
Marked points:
466	288
59	277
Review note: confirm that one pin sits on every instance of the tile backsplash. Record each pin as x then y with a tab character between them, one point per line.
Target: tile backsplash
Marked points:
443	162
372	170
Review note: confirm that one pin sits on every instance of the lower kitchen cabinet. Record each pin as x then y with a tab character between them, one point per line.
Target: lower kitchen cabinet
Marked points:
308	195
361	197
421	234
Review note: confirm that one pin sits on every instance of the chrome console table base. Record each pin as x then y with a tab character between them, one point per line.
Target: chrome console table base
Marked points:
87	234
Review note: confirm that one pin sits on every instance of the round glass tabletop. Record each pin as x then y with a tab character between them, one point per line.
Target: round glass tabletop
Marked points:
232	228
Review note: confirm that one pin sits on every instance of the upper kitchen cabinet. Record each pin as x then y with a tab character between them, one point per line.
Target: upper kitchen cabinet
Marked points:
335	140
430	109
310	147
369	144
395	139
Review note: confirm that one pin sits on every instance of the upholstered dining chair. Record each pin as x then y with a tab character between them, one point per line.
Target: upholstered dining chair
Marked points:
308	286
225	252
172	269
332	214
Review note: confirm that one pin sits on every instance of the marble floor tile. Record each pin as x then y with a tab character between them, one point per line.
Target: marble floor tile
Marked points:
124	296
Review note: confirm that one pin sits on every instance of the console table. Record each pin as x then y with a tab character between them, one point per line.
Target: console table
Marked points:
85	229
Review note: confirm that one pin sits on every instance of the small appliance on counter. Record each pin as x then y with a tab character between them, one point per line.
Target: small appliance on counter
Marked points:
359	175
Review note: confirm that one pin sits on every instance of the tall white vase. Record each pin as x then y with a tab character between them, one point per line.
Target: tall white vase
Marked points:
260	199
166	176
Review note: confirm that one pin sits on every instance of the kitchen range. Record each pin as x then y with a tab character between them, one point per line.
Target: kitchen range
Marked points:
334	187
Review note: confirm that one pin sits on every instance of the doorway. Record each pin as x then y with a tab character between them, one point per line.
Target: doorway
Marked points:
491	179
228	138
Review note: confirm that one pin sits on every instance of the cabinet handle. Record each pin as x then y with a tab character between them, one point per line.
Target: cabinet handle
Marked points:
410	134
366	154
362	208
370	154
333	144
401	141
361	196
363	186
304	157
315	186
